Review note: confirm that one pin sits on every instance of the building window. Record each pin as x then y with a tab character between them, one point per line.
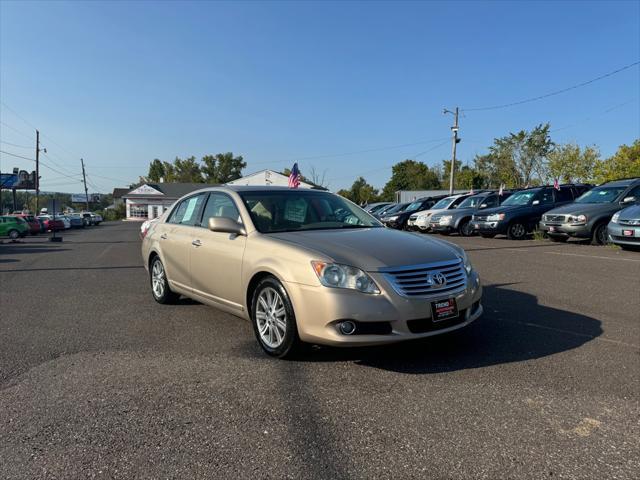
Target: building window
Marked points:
138	211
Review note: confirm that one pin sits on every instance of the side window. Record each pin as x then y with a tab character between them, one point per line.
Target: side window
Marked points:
188	211
564	195
546	197
634	192
491	201
220	205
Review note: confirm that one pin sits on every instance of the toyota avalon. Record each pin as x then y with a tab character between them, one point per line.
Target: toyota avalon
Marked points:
308	266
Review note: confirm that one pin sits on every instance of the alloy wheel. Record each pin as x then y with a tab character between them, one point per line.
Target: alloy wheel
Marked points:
271	317
517	230
157	279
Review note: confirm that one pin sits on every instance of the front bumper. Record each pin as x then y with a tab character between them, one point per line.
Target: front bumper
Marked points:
494	228
319	310
565	229
617	234
437	227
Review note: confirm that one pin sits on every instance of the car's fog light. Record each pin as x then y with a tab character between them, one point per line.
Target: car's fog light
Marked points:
347	327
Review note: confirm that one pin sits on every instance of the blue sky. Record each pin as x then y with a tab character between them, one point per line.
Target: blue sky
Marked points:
121	83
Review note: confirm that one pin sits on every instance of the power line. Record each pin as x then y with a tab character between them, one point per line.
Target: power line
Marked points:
344	154
16	130
17	156
557	92
16	145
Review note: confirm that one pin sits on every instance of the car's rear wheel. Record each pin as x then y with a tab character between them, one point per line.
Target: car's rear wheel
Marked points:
487	235
465	228
159	283
516	231
14	234
274	321
599	234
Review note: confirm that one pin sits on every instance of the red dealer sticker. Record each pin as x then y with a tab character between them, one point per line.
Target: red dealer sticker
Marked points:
444	309
627	233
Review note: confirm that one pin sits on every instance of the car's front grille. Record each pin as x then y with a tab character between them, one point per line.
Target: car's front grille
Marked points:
632	223
435	218
626	239
554	218
428	280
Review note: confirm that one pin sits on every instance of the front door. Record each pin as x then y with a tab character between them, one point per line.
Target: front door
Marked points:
176	236
216	257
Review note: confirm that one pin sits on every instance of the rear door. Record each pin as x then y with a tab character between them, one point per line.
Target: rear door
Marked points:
175	237
216	257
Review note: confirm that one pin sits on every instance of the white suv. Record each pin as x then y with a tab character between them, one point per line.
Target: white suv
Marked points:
420	220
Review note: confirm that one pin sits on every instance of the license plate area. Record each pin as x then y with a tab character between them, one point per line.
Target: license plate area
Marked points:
444	309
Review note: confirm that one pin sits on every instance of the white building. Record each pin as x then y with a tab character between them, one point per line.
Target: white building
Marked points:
267	177
151	199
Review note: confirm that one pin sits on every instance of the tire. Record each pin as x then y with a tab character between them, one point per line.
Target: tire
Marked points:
487	235
558	238
159	283
14	234
465	229
599	234
516	231
273	319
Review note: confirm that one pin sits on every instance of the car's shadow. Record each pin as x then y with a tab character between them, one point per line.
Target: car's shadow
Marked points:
514	327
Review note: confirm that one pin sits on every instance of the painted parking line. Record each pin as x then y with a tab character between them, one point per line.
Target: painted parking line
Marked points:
594	256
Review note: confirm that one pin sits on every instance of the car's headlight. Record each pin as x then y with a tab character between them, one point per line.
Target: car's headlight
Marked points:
445	219
465	260
615	217
577	219
335	275
496	217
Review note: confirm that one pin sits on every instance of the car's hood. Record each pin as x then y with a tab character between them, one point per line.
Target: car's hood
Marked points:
432	212
503	209
584	208
631	213
372	248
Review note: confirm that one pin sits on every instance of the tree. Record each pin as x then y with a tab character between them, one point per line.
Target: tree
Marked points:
222	167
410	175
156	171
187	170
360	192
317	178
465	177
625	163
518	159
569	163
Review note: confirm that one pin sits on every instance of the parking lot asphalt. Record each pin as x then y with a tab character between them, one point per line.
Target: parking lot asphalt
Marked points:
98	380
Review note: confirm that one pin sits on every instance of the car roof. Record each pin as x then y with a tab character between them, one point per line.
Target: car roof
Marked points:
623	182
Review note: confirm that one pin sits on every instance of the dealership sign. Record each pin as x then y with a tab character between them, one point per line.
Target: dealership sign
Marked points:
82	198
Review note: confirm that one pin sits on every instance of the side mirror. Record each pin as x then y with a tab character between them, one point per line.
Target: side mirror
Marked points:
628	199
535	202
483	205
226	225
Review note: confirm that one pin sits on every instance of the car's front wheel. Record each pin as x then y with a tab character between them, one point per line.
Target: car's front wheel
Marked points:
159	283
465	228
274	321
599	236
14	234
516	231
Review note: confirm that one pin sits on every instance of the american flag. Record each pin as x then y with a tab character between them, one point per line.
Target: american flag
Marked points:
294	176
556	185
471	192
500	192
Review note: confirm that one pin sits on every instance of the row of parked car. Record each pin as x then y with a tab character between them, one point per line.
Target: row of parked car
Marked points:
20	224
605	213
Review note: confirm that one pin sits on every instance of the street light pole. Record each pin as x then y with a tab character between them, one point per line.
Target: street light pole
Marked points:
454	142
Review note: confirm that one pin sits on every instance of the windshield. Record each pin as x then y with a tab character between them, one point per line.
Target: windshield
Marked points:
396	208
444	203
601	195
289	211
472	202
520	198
414	206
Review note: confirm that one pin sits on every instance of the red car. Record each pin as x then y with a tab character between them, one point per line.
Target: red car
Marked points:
51	225
34	224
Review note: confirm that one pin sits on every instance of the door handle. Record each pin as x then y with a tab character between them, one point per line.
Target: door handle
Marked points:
163	236
196	243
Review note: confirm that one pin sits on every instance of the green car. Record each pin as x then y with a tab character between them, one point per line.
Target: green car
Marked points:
13	227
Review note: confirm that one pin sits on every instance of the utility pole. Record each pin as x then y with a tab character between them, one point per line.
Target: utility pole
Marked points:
37	172
454	142
84	179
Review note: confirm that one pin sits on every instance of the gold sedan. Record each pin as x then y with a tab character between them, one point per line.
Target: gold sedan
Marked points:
308	266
